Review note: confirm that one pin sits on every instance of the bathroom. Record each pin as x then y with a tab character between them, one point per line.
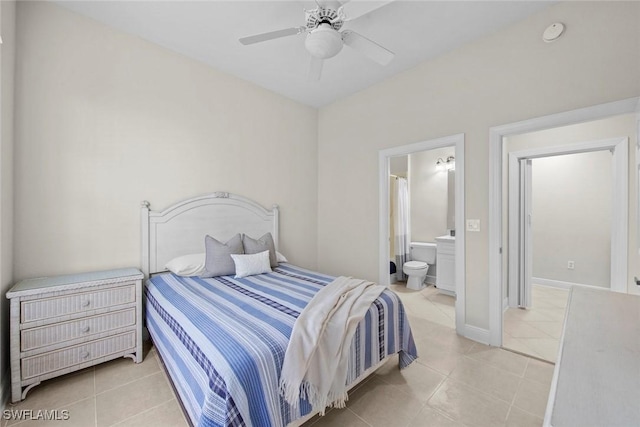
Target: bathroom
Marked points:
422	218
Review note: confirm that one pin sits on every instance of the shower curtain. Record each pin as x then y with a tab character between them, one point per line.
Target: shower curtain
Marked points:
401	226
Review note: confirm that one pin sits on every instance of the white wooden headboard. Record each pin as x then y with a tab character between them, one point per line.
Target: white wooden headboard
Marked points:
180	229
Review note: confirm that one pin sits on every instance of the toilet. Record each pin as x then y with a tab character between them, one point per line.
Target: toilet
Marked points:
423	254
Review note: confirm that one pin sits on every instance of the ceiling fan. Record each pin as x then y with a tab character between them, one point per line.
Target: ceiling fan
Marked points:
324	38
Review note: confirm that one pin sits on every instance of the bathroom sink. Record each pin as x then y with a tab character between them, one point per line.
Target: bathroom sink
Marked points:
445	238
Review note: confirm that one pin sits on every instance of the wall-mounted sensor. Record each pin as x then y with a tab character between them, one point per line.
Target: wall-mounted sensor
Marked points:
553	32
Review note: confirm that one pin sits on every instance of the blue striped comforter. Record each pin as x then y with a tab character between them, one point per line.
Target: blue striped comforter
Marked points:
223	341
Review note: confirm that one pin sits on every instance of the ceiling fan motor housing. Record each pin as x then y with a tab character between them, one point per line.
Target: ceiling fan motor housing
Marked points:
323	15
323	40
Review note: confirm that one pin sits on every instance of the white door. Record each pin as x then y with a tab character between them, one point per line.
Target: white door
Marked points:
524	288
520	248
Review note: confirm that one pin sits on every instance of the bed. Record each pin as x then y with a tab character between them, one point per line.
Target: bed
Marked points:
222	340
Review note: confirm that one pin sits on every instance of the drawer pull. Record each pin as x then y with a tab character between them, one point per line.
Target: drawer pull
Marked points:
86	303
84	354
85	329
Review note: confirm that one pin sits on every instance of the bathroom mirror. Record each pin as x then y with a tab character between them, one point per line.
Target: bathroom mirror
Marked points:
451	199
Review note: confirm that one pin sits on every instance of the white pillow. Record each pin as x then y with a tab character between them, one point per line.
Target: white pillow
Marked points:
280	257
248	265
187	265
194	264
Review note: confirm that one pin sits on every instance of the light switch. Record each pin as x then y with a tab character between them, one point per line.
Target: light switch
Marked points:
473	225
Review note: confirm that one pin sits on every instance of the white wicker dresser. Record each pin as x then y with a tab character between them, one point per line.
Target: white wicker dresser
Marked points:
65	323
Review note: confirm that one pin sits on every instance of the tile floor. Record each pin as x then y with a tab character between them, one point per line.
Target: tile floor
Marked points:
454	382
536	331
116	393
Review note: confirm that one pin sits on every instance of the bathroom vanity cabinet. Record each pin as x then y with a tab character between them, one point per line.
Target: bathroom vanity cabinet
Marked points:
446	264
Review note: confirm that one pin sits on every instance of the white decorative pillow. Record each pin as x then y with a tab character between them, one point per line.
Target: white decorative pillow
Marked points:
248	265
187	265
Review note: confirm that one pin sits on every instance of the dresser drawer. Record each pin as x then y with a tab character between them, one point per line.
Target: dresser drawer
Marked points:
60	332
47	308
68	357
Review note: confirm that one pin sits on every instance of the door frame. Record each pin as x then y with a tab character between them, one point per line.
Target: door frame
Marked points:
496	135
619	148
384	157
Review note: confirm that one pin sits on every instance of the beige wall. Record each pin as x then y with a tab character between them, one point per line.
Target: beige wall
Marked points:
614	127
103	116
7	58
105	120
571	198
508	76
428	192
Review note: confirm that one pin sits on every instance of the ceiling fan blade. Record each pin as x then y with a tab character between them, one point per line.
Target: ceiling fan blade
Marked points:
315	69
367	47
356	8
272	35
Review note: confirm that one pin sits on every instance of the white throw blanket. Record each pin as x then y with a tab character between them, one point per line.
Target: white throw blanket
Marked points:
315	364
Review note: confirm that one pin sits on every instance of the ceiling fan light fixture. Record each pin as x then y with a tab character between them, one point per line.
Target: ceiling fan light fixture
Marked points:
324	42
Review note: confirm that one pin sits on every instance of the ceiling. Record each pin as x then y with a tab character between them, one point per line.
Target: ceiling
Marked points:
208	31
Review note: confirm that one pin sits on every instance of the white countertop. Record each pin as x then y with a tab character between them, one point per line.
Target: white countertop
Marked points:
597	377
34	286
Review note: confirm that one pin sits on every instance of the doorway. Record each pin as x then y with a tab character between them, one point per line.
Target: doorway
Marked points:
561	234
497	217
520	214
384	159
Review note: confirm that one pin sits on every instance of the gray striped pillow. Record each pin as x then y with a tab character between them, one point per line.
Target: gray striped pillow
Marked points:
265	243
218	261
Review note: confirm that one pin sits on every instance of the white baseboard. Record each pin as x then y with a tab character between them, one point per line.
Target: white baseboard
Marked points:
476	334
505	304
552	283
560	284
